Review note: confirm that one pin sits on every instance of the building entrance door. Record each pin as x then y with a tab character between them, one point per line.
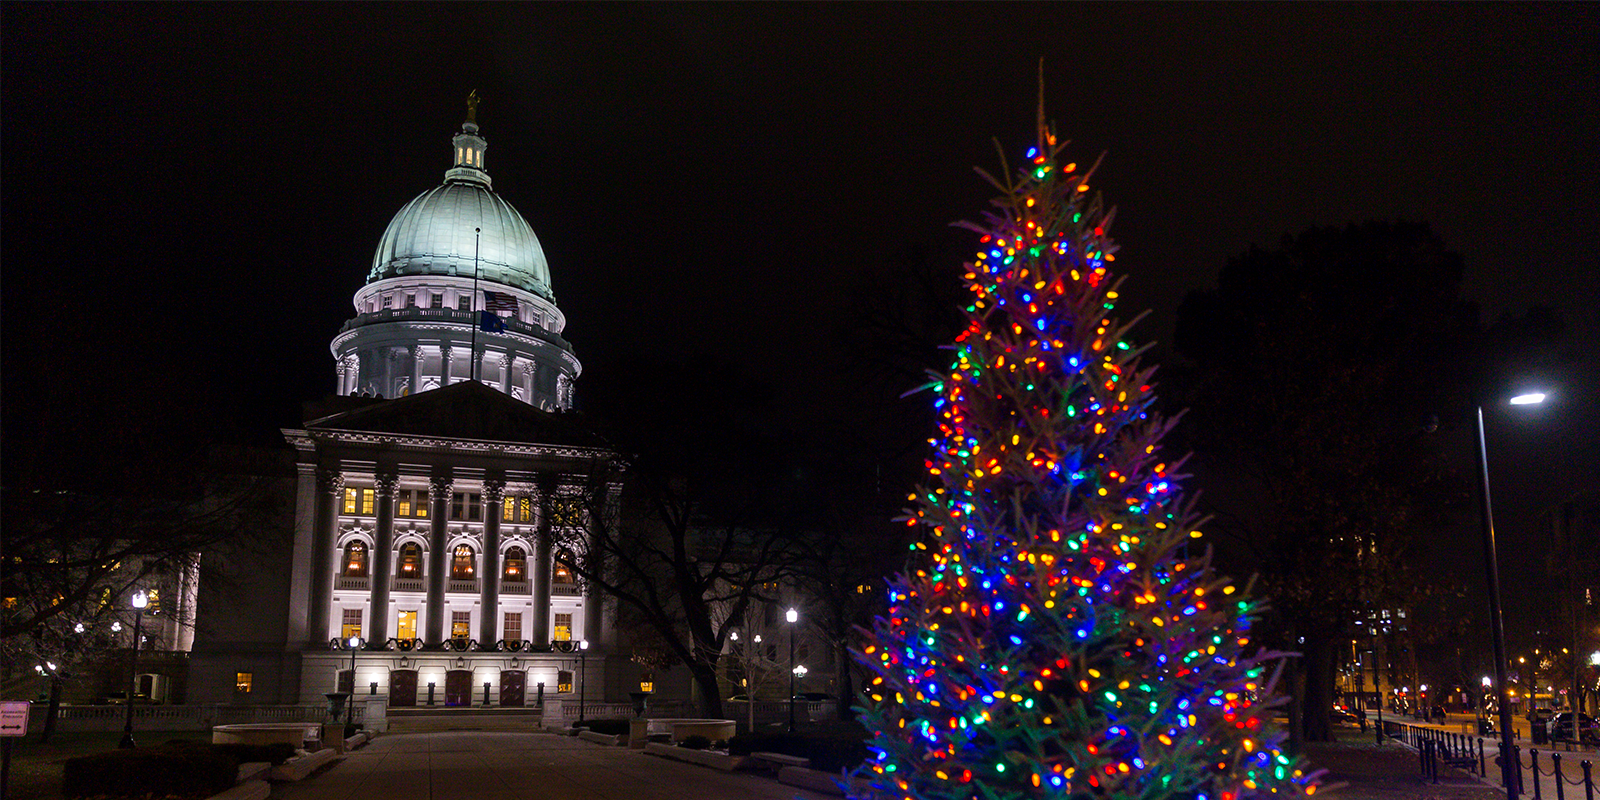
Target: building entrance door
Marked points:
403	687
513	687
458	687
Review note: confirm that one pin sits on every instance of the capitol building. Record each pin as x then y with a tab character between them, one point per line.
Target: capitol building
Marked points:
442	494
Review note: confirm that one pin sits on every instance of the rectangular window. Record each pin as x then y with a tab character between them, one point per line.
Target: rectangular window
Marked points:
466	506
563	628
350	501
510	513
407	628
421	505
464	303
411	301
564	681
513	629
388	301
242	681
402	503
438	301
352	623
460	624
525	512
367	501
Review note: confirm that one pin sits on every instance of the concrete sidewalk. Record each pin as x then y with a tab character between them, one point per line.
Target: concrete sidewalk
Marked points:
495	765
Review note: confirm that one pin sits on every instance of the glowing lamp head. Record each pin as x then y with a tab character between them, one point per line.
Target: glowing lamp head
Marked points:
1529	399
800	670
140	600
1486	680
758	641
583	644
791	615
734	635
354	642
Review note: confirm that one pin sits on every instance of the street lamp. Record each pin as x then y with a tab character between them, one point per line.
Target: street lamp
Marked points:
583	673
139	602
354	643
792	616
1508	774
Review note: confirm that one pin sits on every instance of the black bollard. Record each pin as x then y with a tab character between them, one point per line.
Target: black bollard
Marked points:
1561	791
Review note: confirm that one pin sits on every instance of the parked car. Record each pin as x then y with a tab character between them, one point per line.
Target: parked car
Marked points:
1539	714
120	698
1559	728
1340	715
812	697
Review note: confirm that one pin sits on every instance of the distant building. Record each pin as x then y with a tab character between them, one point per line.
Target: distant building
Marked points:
436	502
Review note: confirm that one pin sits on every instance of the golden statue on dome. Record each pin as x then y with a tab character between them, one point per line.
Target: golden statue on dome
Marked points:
472	107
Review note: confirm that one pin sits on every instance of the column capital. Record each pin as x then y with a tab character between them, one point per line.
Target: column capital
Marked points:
527	367
386	484
418	353
330	481
439	489
494	491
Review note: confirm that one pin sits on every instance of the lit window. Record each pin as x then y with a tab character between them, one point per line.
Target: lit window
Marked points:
404	509
410	560
153	601
242	682
407	627
460	624
509	514
461	566
355	560
513	628
459	154
525	504
516	565
564	681
350	496
563	628
422	502
647	682
367	501
352	623
562	573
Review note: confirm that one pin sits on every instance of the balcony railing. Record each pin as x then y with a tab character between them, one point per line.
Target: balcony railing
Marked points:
515	587
410	585
466	318
467	585
564	590
455	586
357	582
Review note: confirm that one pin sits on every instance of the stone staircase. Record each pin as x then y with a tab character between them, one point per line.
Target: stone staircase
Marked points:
424	719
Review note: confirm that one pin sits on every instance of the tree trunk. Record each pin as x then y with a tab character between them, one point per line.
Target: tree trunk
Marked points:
705	679
845	684
1318	660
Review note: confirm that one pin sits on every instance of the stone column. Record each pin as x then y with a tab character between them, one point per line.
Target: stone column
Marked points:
444	365
344	380
382	568
505	374
527	383
416	368
540	635
330	487
494	493
438	560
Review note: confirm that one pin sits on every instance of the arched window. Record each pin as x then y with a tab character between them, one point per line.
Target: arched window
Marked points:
355	560
516	565
461	566
562	573
410	560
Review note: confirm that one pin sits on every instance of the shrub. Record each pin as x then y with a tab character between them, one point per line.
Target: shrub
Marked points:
275	753
695	742
608	727
831	747
158	771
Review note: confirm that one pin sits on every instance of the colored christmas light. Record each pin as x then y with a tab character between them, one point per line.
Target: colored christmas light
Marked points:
1054	635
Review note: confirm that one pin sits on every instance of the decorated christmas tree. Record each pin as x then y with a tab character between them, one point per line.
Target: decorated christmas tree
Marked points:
1057	635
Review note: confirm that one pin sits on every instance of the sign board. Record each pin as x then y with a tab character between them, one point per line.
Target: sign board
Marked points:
14	717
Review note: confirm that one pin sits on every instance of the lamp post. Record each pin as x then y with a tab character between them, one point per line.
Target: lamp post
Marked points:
792	616
1508	770
583	674
354	643
140	600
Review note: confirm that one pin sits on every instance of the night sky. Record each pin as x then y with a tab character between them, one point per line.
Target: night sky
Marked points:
192	193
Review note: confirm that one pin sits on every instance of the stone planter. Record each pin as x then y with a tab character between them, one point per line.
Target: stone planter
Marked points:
705	758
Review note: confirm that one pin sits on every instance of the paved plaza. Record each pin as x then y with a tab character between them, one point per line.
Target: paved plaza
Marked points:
495	765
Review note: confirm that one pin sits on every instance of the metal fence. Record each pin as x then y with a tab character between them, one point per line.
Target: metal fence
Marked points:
1548	774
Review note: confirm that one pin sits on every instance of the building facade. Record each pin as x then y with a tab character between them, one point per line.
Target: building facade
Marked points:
440	494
